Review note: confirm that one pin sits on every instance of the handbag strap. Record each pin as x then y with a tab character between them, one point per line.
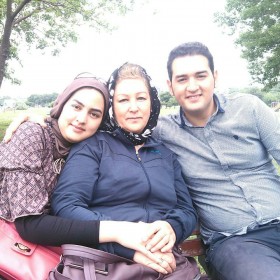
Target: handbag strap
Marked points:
92	254
89	270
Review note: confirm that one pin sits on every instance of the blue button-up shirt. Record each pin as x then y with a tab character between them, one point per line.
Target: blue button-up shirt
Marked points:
228	163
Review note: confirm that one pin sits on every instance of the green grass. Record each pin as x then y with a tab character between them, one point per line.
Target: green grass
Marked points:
7	117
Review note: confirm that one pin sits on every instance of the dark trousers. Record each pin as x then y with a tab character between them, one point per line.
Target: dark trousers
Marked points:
252	256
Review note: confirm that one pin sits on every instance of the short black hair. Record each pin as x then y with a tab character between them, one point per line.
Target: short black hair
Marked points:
189	49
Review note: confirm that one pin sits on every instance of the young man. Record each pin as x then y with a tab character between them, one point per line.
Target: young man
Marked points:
225	145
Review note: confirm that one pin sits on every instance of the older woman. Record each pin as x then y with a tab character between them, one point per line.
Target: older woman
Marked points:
124	174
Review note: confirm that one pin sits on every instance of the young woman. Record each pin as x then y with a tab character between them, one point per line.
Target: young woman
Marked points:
32	160
124	174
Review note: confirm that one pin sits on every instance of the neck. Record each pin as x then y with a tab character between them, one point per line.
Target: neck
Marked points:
201	118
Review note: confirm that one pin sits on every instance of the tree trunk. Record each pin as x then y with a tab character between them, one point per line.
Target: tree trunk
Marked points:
5	41
5	49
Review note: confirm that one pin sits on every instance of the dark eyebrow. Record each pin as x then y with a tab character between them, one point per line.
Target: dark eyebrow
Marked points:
202	72
180	76
80	103
92	109
186	75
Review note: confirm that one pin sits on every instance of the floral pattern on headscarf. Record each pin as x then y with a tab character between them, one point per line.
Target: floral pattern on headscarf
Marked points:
111	124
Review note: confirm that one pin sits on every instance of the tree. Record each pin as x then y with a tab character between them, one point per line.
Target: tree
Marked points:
167	99
3	98
257	23
43	100
49	24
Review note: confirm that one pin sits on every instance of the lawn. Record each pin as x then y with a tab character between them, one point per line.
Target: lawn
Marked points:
7	116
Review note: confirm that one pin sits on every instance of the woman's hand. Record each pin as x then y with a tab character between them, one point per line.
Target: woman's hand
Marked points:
19	120
128	234
166	264
160	236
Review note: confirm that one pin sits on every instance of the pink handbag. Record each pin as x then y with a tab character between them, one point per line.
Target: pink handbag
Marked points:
22	260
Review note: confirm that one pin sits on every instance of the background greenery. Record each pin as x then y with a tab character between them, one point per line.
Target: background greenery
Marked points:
255	27
7	116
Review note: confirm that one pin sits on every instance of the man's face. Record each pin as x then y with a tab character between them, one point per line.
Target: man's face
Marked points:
193	87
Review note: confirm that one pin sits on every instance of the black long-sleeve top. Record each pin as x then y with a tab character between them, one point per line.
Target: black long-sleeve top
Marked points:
54	231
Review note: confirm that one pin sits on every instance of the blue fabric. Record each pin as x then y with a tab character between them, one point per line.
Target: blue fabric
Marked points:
228	163
103	179
253	256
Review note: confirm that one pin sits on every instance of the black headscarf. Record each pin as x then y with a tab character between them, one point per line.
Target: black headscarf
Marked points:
111	124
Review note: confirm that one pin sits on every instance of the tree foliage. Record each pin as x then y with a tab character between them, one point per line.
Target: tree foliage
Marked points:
49	24
43	100
167	99
270	97
256	25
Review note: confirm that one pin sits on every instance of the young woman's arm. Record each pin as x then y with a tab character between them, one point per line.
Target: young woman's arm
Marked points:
54	231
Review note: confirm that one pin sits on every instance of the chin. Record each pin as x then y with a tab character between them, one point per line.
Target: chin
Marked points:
137	132
73	139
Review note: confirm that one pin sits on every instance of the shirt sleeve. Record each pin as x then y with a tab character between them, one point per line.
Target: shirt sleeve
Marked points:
268	125
54	231
182	217
25	186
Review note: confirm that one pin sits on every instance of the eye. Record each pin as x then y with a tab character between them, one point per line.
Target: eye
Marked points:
122	100
95	115
142	98
76	106
182	79
202	75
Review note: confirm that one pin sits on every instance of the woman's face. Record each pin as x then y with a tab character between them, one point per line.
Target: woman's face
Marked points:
132	105
81	115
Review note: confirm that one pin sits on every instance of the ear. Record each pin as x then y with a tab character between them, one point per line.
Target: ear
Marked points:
169	84
215	77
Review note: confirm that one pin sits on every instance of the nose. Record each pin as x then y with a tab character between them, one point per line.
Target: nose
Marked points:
192	85
133	106
81	117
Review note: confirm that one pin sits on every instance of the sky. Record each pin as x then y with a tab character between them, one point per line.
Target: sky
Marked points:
144	36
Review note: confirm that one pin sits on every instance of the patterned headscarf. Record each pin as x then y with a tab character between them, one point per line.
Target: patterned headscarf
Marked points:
63	146
111	124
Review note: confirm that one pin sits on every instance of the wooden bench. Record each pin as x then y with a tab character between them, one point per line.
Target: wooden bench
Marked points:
194	247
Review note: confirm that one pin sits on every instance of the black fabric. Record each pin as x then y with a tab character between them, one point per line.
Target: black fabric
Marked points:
54	231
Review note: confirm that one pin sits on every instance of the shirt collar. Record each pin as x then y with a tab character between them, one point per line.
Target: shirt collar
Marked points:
185	122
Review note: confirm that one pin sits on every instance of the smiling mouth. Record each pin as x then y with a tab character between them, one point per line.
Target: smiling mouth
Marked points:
194	97
78	128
